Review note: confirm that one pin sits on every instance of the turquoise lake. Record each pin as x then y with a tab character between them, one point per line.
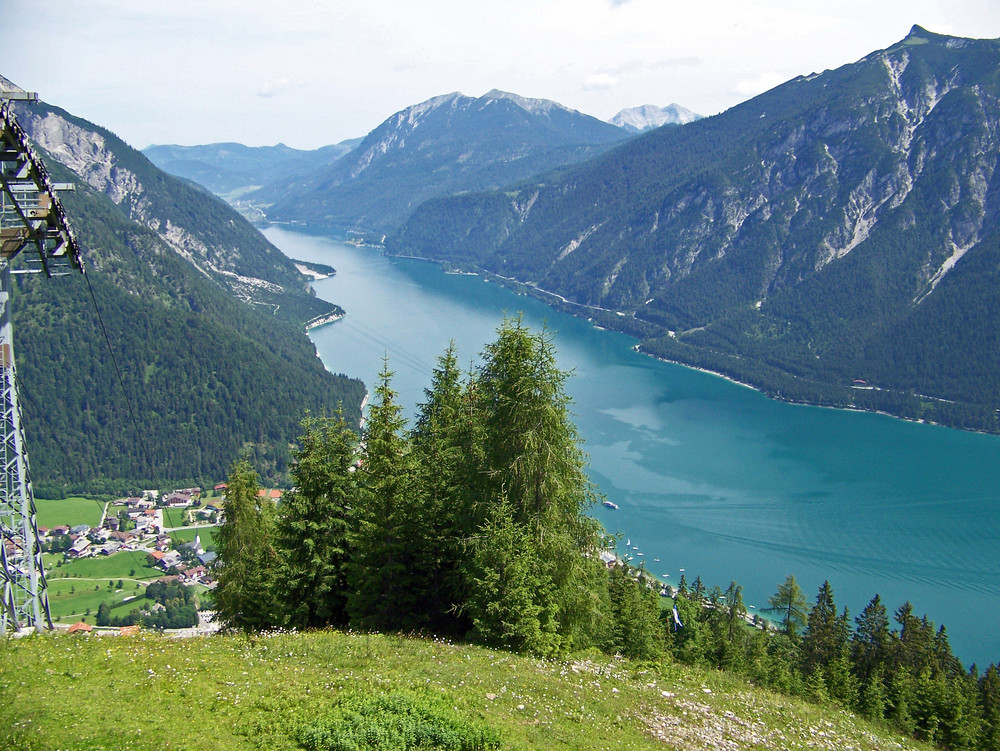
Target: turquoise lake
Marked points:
711	478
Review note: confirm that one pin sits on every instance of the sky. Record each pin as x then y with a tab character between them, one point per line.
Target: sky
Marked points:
313	72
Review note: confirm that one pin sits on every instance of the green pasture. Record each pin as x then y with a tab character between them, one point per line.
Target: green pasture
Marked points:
70	599
188	534
71	586
174	517
117	566
68	511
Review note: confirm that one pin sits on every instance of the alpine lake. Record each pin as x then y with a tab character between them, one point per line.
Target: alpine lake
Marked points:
710	478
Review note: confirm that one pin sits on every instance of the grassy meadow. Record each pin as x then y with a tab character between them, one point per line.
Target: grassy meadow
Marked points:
282	691
68	511
79	585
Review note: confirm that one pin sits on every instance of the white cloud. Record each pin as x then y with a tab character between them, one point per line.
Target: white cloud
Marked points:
273	88
599	81
234	67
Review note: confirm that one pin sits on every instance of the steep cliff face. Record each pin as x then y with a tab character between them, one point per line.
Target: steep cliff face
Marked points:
196	226
796	230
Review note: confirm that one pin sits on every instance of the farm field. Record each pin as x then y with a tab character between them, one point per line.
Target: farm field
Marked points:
75	586
68	511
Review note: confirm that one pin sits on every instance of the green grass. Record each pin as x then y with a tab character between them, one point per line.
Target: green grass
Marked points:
84	574
174	517
68	511
228	692
187	535
68	605
106	567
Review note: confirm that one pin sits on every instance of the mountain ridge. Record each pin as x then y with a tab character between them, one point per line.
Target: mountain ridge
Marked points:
447	144
205	317
232	169
793	242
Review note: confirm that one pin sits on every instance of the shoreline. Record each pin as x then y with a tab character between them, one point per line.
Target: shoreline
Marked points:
577	310
324	319
510	282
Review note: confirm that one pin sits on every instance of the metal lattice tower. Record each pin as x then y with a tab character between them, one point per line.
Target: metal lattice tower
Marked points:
32	219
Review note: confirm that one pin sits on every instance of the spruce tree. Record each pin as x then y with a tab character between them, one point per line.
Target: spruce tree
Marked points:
388	590
533	459
989	701
826	648
510	603
447	447
313	525
635	629
735	611
870	646
246	557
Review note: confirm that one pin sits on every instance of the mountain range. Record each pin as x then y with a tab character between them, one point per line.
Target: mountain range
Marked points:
232	169
830	241
834	240
208	358
445	145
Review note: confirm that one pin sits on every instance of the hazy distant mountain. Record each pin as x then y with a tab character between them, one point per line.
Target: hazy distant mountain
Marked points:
205	316
230	169
446	145
649	116
835	240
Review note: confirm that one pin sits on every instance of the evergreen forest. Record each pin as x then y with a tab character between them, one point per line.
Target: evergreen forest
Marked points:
471	525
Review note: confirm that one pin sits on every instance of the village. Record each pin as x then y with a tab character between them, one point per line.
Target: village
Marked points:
106	564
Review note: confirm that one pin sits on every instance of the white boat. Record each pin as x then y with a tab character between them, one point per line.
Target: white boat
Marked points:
610	504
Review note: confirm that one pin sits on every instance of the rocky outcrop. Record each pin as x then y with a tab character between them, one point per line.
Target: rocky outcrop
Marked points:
195	225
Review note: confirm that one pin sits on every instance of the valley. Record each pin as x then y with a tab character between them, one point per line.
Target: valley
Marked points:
492	360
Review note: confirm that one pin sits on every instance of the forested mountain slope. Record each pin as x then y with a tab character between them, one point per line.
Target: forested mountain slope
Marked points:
833	240
446	145
205	317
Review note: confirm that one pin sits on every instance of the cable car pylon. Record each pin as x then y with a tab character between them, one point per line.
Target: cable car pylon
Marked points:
33	220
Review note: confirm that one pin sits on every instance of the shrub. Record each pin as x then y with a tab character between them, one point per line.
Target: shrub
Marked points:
395	722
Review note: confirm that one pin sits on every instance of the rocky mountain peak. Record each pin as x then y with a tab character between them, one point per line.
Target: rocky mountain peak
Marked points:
649	116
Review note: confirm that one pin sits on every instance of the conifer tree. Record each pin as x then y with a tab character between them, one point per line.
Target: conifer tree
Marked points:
388	589
989	700
510	604
635	629
313	525
533	459
790	604
447	446
246	556
826	648
870	645
735	610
